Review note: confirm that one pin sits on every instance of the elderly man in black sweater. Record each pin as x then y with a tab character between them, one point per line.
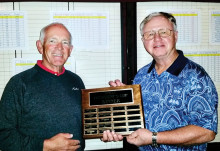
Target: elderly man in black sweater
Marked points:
40	108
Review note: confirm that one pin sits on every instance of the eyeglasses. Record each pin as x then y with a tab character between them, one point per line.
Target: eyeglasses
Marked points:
149	35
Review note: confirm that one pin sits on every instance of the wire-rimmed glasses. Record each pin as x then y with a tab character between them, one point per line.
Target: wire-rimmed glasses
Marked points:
149	35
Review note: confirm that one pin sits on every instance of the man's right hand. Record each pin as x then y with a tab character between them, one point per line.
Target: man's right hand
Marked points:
116	83
61	141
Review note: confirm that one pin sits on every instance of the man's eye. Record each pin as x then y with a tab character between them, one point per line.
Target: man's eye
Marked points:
151	34
52	41
163	32
65	42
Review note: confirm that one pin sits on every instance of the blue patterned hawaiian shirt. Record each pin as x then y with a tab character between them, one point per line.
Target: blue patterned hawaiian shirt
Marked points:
182	95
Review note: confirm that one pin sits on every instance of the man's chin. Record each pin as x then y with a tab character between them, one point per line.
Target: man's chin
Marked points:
59	63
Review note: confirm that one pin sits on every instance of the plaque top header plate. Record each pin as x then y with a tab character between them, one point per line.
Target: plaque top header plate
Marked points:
107	96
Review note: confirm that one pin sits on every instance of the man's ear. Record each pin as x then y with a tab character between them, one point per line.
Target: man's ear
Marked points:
39	46
71	49
176	36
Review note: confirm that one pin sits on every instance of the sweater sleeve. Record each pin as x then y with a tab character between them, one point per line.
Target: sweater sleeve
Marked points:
11	138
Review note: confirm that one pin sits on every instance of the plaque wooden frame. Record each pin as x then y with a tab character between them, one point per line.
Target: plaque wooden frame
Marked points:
118	113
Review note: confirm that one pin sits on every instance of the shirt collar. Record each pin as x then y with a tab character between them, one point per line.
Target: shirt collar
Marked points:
177	65
39	63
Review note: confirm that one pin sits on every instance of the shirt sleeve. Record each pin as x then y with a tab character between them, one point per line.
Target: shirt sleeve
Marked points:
203	103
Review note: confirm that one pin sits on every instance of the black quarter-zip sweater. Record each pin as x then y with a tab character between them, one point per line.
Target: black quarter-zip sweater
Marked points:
36	105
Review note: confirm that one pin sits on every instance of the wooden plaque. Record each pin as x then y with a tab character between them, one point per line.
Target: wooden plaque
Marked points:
117	109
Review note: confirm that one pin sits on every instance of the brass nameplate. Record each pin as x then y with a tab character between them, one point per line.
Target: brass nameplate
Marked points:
117	109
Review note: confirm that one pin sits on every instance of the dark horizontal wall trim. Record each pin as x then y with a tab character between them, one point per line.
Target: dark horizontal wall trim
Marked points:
217	1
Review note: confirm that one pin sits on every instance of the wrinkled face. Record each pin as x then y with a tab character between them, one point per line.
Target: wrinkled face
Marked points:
160	47
56	48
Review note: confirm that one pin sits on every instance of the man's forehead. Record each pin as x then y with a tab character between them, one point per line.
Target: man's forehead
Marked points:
55	27
57	31
158	22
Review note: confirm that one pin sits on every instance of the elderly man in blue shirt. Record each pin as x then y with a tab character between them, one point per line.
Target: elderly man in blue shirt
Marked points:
179	98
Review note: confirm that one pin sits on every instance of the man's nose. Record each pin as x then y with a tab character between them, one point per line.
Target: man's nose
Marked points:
157	36
60	45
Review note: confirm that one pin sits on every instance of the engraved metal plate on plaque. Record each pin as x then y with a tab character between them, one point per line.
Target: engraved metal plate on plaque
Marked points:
117	109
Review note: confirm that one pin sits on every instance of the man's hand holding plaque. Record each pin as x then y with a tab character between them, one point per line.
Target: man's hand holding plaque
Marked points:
111	112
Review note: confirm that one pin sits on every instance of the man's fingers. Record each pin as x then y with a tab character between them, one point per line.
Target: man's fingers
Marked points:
132	135
112	84
105	136
74	142
119	83
66	135
116	83
72	147
117	137
110	136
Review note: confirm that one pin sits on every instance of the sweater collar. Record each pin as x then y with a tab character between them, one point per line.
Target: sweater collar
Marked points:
177	65
39	63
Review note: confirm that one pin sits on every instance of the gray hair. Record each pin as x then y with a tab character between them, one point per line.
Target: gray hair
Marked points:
170	17
43	30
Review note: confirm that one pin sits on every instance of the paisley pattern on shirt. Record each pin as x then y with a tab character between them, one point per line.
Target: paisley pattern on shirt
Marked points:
171	101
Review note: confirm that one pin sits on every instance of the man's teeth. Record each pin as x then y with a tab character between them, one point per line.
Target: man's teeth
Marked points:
157	46
58	55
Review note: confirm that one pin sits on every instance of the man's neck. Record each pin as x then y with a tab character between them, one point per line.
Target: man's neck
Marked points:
40	64
162	65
